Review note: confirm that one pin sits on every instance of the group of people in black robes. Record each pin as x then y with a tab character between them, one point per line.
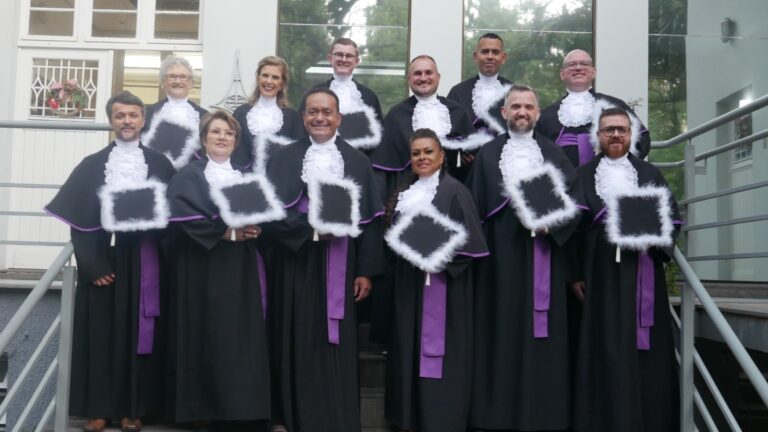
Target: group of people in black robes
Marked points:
518	289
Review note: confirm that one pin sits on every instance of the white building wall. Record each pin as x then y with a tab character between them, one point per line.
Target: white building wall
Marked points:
717	70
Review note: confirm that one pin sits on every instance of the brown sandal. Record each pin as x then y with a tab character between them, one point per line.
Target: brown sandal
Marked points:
128	425
95	425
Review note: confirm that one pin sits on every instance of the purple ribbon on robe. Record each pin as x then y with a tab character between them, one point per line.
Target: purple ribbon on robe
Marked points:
336	281
586	152
541	285
149	294
433	327
645	300
262	269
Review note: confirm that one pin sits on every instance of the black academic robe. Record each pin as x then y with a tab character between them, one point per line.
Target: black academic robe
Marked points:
218	360
462	93
392	158
314	382
549	126
153	109
292	129
109	379
435	404
617	386
520	382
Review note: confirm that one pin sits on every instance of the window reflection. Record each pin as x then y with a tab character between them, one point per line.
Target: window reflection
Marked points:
537	34
380	28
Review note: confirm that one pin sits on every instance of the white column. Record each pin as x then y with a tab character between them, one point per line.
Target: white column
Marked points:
436	30
621	51
245	25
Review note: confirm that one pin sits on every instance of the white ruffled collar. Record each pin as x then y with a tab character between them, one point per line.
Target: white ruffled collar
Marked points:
217	173
613	175
322	159
350	98
430	113
265	116
181	111
125	164
488	80
576	109
520	154
418	194
486	92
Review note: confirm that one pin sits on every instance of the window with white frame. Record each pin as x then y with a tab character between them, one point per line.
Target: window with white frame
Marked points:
114	18
51	17
177	19
63	88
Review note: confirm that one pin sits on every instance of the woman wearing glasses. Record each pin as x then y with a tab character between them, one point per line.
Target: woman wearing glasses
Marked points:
267	121
218	364
171	126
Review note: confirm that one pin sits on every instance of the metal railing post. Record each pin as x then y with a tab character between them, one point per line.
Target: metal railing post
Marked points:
687	331
65	349
689	183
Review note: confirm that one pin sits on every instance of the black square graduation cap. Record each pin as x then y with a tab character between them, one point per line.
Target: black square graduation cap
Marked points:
361	129
136	207
172	138
247	200
541	199
641	218
426	238
334	206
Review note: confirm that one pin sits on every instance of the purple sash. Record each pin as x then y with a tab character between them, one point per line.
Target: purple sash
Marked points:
149	294
433	327
645	300
262	282
586	152
336	281
541	285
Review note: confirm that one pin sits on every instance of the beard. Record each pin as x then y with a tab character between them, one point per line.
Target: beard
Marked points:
520	125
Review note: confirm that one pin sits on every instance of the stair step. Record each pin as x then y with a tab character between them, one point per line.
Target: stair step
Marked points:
373	369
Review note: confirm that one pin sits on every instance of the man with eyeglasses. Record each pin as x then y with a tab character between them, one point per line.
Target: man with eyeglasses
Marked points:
626	374
568	121
483	94
359	105
172	123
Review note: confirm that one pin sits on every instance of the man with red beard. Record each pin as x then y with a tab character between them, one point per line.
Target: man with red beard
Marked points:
522	373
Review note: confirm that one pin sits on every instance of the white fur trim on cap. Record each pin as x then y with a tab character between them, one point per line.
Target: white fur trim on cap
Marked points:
526	214
484	113
191	144
161	210
439	258
316	206
260	143
471	142
635	124
645	241
275	210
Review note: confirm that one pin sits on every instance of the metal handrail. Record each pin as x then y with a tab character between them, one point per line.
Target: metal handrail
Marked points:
694	288
717	150
712	124
58	125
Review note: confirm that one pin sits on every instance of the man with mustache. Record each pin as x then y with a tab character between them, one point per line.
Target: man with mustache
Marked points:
117	348
522	373
483	94
567	122
626	373
318	272
357	103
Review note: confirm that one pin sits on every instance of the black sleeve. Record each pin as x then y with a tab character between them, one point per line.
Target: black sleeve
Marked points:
205	232
292	232
370	249
93	253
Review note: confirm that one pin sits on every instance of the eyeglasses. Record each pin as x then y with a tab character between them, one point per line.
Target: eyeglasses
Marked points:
177	77
575	64
229	133
344	56
611	130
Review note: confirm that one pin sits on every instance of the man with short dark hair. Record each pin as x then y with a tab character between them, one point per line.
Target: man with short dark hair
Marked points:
626	373
568	121
522	375
324	255
483	94
358	103
117	349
